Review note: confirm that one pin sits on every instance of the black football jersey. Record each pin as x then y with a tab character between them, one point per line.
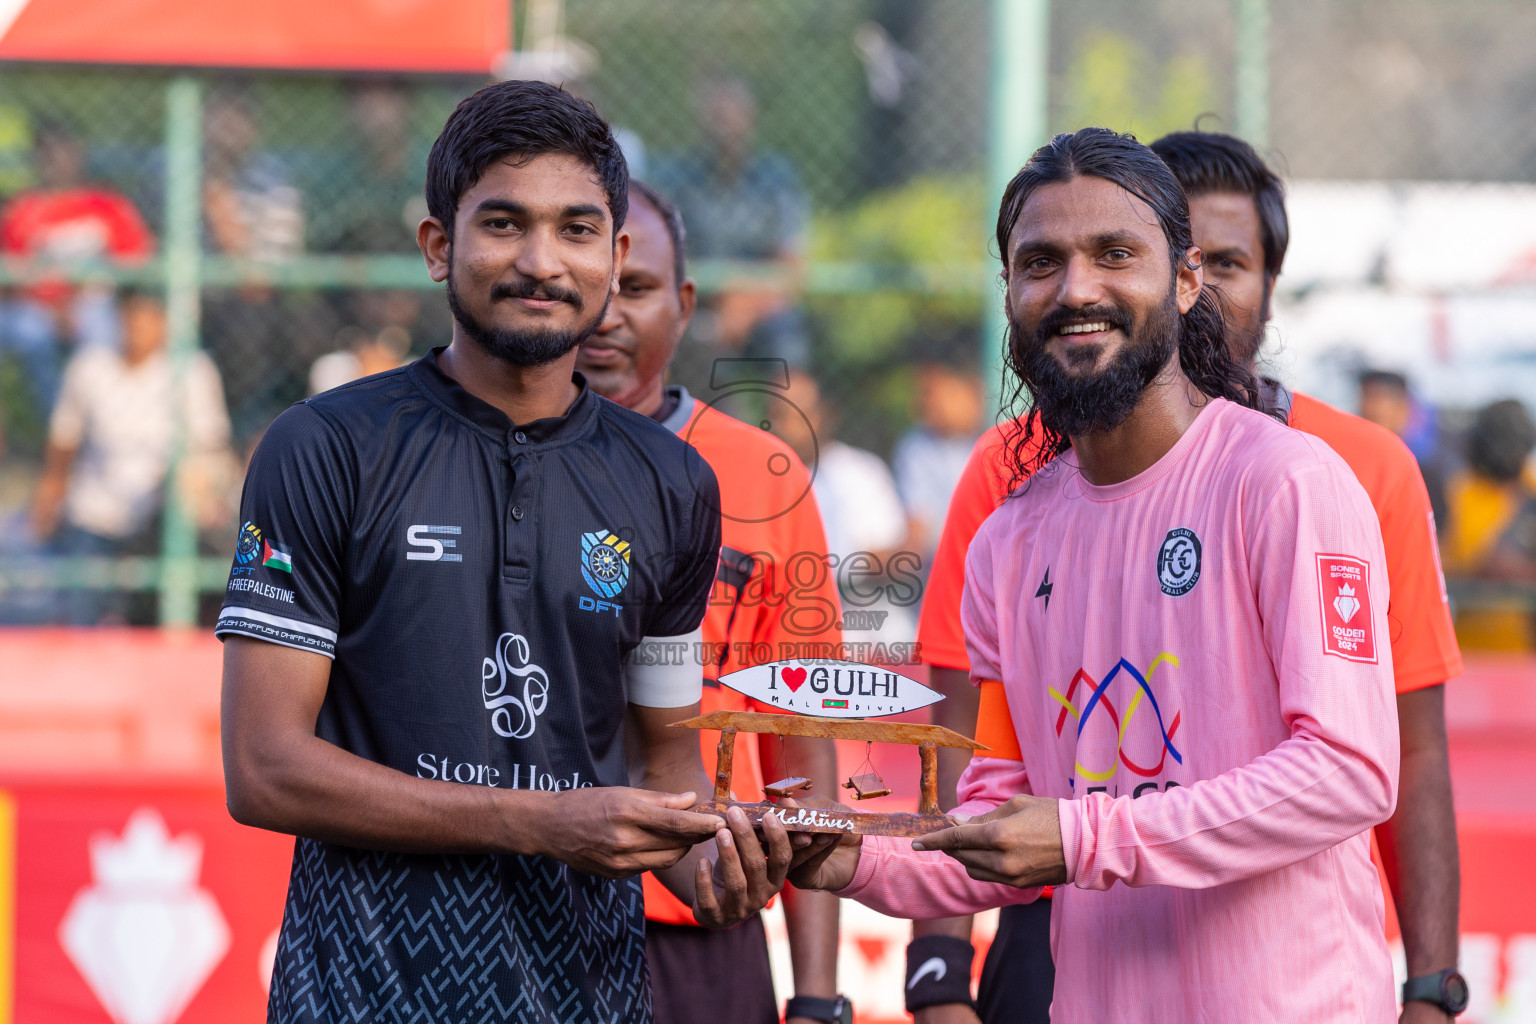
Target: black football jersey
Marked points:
478	584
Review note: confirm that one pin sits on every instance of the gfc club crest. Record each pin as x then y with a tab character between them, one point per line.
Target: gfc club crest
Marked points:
1178	562
605	562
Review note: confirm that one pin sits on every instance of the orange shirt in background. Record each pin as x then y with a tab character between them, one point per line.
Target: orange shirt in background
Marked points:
789	597
982	487
1424	650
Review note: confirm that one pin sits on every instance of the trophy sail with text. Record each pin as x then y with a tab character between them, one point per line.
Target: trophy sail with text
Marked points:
833	700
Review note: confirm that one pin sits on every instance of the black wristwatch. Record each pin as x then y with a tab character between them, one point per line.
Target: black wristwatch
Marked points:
837	1010
1446	989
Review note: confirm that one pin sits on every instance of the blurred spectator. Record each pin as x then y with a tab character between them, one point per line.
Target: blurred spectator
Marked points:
857	494
929	458
250	203
118	419
865	524
1492	533
746	205
1386	400
64	224
253	210
377	339
373	180
360	355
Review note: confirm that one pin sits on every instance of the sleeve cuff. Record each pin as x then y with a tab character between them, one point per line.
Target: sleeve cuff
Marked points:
277	629
1069	815
869	852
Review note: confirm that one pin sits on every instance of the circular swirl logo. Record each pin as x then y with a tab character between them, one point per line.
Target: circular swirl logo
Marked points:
515	691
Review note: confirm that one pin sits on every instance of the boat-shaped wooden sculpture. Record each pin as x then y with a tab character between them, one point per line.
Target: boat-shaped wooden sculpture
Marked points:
927	738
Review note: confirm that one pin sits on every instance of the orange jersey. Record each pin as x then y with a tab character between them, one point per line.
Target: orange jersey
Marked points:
785	594
1424	650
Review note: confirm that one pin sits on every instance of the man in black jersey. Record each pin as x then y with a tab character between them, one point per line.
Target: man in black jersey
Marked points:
461	617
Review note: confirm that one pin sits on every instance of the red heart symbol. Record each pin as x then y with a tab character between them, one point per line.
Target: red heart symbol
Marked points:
794	678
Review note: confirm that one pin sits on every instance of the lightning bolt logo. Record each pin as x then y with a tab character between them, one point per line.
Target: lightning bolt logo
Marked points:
1045	588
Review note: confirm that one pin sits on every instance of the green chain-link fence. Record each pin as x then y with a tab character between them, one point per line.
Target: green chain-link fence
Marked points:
870	139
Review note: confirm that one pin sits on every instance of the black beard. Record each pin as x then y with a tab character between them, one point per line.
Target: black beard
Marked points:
1072	405
525	348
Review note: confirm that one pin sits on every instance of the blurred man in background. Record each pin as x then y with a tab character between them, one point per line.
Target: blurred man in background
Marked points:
119	417
1238	220
929	458
861	507
66	223
744	205
1384	400
1387	401
360	354
366	188
1491	536
770	532
251	205
860	504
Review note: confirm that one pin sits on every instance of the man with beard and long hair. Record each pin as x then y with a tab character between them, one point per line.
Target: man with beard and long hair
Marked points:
1184	610
442	574
1238	219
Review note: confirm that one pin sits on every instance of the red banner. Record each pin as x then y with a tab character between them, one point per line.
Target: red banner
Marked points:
362	35
136	903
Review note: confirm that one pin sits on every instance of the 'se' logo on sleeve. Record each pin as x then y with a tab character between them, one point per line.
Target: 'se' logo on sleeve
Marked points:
1344	591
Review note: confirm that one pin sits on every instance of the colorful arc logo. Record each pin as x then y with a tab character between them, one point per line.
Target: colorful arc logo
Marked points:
1099	698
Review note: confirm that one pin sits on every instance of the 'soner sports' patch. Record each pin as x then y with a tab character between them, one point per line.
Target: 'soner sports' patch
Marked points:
1344	592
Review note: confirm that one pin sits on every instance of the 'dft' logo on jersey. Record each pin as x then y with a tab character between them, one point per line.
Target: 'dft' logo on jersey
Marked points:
1344	586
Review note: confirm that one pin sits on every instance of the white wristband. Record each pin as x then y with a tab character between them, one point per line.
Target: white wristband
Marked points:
664	671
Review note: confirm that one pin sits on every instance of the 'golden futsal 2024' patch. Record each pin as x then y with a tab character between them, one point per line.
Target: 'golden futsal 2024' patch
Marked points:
1344	585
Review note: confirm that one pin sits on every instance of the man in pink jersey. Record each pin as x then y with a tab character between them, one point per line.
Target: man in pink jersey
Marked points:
1185	613
1238	219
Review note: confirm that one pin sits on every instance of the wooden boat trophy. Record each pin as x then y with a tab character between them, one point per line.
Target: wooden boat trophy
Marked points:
849	690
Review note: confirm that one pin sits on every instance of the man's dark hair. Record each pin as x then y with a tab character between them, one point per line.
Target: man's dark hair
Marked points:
131	293
1117	158
1384	379
1206	162
523	120
672	217
1501	440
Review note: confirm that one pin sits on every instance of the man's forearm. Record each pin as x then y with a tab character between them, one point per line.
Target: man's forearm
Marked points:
314	788
810	917
958	712
1418	843
679	776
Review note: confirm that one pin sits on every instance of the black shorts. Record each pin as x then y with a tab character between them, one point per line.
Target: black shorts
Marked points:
1018	976
699	976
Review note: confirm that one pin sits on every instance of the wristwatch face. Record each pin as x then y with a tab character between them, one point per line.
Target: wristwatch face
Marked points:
1453	991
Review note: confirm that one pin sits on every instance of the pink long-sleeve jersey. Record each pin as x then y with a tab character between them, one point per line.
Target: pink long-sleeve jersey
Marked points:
1197	665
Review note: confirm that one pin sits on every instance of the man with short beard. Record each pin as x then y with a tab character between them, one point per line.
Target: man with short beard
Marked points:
1184	611
442	573
1238	220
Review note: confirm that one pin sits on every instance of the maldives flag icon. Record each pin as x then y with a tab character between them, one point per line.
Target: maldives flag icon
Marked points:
1344	592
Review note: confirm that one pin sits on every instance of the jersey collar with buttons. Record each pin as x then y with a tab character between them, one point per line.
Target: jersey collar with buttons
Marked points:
523	443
